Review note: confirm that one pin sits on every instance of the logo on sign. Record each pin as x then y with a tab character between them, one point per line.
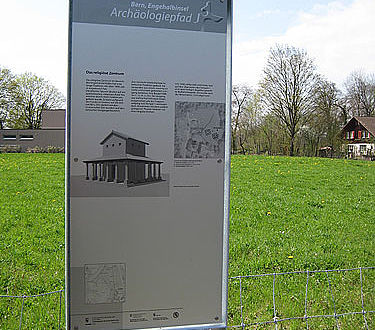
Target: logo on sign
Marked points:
207	15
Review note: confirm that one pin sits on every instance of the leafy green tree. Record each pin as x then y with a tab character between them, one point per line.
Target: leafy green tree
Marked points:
7	86
31	96
327	112
323	127
273	136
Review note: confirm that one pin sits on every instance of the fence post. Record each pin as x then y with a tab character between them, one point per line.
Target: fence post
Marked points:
242	323
274	301
307	287
60	310
363	304
23	302
333	299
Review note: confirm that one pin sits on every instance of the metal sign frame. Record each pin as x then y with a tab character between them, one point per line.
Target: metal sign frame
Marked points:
151	174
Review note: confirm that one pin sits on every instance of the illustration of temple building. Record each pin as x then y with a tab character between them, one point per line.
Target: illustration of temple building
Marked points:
123	161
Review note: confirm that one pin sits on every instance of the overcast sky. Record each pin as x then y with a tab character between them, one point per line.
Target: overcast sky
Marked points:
338	35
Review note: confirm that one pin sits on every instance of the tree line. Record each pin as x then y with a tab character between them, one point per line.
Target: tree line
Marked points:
23	98
295	110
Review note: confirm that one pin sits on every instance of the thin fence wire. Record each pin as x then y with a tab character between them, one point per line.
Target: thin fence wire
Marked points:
24	298
276	321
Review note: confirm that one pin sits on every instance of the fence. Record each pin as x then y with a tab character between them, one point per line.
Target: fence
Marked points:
276	320
242	312
58	320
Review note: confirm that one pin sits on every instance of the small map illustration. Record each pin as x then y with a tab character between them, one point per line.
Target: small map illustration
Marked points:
199	130
105	283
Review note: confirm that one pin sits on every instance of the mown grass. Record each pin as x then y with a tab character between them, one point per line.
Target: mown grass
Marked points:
290	214
31	237
287	214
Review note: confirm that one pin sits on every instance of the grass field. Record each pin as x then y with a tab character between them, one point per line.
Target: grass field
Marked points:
31	236
287	214
292	214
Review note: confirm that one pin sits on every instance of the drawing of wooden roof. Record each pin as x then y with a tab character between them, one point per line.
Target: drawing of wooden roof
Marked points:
121	136
124	158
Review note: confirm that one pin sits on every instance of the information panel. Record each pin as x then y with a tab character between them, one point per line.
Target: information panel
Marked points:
148	163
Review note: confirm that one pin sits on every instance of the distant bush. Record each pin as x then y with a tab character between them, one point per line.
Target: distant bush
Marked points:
10	149
55	150
34	150
49	149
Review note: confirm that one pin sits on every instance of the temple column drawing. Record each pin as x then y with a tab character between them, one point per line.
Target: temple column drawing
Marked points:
94	171
104	171
126	174
101	174
149	176
123	161
159	171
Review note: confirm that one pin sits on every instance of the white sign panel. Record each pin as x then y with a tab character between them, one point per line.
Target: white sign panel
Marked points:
148	164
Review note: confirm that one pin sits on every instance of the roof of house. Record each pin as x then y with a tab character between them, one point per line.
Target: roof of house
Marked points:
121	136
366	122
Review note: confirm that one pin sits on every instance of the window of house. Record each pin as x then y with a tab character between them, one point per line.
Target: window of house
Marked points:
27	137
352	134
347	135
9	137
359	134
362	148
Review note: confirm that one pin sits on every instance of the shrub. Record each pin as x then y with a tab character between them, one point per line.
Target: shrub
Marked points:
35	150
49	149
10	149
54	149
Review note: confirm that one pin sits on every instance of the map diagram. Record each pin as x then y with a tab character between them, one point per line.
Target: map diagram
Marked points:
199	130
105	283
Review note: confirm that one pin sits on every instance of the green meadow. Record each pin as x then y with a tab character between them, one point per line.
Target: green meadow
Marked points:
291	214
32	240
287	214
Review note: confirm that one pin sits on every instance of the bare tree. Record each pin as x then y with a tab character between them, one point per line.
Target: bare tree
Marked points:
31	96
344	106
240	101
287	88
360	91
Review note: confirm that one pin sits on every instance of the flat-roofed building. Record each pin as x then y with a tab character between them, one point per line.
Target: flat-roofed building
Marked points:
51	134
